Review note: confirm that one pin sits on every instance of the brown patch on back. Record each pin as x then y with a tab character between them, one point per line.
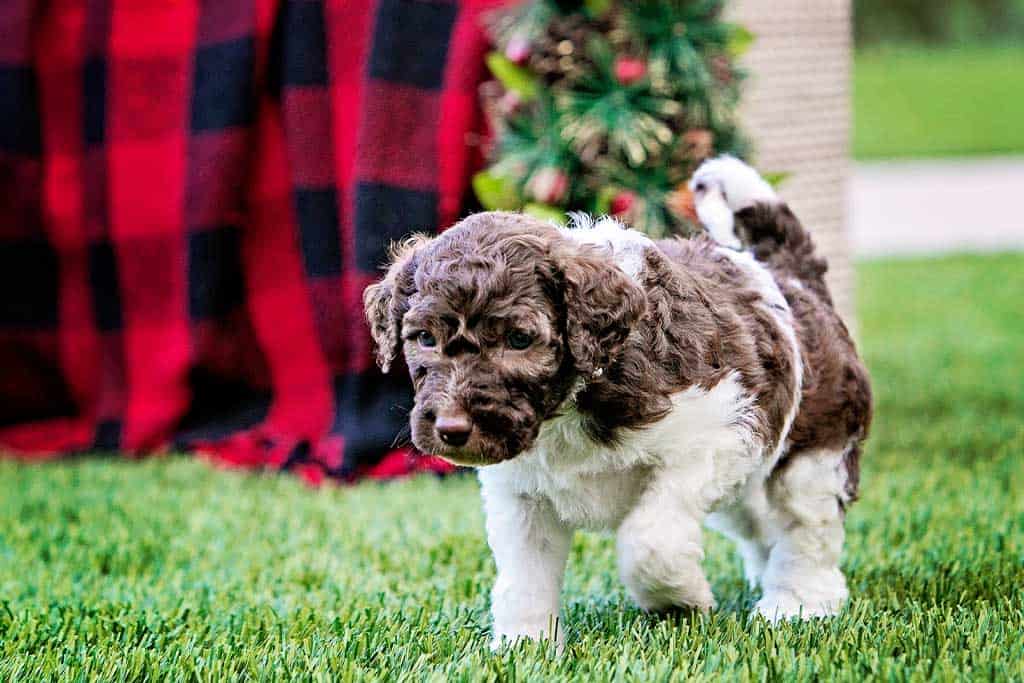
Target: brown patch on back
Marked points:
702	322
835	411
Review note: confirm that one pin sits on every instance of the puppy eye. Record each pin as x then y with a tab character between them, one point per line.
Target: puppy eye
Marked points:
426	339
519	340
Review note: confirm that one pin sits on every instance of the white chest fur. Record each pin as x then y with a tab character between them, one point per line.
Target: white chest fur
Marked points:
704	445
589	485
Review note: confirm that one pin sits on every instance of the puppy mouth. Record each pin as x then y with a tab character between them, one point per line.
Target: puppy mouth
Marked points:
468	458
481	449
470	455
496	433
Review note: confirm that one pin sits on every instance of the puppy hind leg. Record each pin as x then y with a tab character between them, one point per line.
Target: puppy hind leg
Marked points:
802	577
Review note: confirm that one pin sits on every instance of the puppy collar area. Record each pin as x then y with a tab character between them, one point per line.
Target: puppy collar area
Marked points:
579	385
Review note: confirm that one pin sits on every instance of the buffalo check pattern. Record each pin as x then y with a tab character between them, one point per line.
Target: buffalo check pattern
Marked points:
193	195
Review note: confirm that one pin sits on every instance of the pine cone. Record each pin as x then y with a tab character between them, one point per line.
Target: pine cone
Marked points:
559	56
699	144
722	69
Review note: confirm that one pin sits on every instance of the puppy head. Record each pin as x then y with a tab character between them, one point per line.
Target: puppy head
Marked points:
497	318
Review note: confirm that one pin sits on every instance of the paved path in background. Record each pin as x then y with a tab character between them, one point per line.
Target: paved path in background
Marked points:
923	207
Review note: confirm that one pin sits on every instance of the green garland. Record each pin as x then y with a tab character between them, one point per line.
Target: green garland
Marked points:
608	107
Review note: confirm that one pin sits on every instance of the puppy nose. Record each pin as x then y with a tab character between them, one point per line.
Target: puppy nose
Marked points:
454	428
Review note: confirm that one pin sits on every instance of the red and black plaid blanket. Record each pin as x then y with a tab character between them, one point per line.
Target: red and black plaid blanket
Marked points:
193	195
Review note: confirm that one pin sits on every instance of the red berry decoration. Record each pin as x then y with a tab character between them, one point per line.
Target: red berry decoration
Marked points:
622	202
700	143
548	185
510	103
629	70
721	67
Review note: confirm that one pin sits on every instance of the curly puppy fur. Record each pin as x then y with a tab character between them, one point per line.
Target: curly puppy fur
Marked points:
598	379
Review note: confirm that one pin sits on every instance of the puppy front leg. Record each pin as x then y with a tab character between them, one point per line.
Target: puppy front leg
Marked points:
660	552
530	545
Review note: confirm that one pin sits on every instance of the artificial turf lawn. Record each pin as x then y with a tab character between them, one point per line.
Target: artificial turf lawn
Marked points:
918	102
170	569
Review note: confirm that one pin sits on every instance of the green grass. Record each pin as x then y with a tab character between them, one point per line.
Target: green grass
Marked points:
115	570
917	102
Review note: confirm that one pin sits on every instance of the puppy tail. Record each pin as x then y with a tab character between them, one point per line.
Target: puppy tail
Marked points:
740	209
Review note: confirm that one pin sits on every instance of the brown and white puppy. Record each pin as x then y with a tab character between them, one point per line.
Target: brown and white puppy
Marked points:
601	380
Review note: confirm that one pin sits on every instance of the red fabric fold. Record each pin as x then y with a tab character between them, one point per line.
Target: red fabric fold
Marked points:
193	196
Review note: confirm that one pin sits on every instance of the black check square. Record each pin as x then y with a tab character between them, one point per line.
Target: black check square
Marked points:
222	91
370	409
29	284
303	42
19	111
105	286
215	273
94	105
410	42
319	231
384	214
108	435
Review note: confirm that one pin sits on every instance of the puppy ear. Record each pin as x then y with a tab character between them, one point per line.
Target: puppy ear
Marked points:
387	301
602	306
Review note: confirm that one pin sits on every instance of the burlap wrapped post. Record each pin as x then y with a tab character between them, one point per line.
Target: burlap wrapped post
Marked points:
796	109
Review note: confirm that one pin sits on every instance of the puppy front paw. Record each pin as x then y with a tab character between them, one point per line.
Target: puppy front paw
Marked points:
737	184
660	571
512	635
783	605
694	594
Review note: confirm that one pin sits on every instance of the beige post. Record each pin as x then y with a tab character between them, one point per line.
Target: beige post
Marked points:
796	108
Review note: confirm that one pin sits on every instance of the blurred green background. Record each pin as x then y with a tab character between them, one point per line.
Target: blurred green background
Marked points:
938	22
938	78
